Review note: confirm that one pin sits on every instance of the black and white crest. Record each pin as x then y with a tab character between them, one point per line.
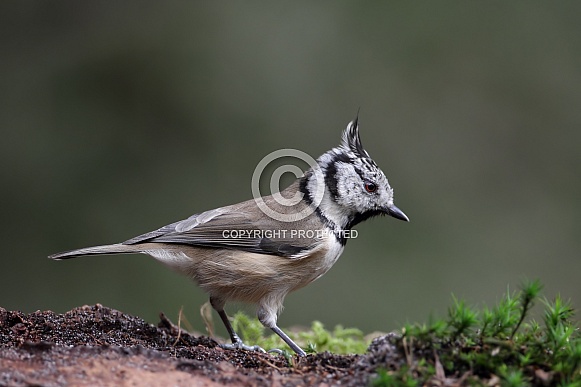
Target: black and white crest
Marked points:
351	140
355	187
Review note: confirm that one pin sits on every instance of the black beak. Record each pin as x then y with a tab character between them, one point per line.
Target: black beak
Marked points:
397	213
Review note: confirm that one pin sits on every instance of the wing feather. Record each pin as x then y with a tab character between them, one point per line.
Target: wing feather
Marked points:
239	227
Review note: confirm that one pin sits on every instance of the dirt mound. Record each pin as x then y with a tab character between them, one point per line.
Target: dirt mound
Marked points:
95	345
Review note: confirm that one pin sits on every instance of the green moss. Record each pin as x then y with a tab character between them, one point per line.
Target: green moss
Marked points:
316	339
495	345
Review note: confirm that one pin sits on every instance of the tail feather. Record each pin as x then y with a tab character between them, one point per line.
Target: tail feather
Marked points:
117	248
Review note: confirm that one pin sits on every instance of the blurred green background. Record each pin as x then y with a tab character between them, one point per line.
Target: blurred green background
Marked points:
119	118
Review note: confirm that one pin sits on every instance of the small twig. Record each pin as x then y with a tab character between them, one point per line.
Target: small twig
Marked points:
406	352
440	374
206	312
188	326
336	368
165	322
179	326
269	363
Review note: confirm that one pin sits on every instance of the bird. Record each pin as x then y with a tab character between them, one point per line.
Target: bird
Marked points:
243	253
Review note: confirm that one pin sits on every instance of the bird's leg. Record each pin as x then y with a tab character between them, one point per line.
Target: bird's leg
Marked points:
268	319
298	350
237	343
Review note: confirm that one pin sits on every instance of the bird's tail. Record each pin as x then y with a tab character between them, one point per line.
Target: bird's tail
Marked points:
117	248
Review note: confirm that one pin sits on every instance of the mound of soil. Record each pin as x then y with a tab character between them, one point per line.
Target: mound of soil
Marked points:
96	345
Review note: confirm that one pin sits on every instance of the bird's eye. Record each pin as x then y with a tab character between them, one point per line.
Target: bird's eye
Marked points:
370	187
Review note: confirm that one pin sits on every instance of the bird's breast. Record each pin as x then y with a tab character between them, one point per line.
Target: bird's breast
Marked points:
318	261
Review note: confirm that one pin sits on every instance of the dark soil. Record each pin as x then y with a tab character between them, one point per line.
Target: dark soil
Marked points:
95	345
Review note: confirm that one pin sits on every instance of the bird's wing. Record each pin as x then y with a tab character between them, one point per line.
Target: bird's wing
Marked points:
234	228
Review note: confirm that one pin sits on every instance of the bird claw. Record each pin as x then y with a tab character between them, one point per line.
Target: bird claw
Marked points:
253	348
241	345
279	351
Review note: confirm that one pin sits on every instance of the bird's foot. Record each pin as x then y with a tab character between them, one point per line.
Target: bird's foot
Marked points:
254	348
241	345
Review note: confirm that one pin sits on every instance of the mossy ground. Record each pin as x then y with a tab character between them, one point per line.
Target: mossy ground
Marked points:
502	345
